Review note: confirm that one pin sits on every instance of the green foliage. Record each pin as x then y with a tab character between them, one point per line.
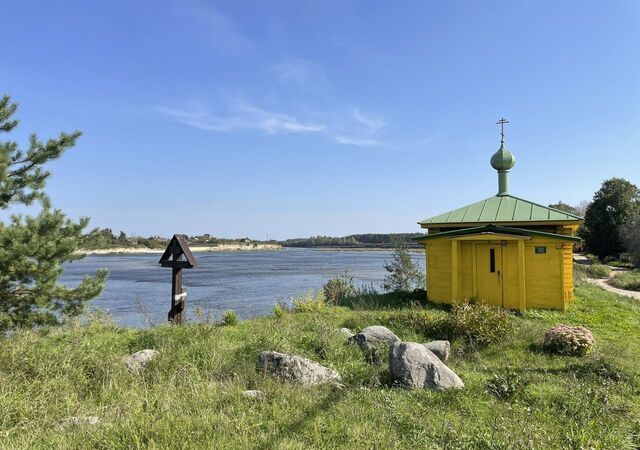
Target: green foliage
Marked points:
34	249
339	288
630	235
309	302
403	274
612	208
279	310
562	206
506	384
356	240
591	270
477	324
629	281
229	318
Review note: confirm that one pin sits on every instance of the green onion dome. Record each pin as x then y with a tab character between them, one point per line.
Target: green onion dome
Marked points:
503	159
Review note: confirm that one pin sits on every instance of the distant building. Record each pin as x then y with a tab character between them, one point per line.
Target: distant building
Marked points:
503	250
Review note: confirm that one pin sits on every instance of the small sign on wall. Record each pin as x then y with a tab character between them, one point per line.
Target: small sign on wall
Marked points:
541	250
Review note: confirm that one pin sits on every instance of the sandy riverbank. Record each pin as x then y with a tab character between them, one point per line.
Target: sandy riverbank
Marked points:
195	249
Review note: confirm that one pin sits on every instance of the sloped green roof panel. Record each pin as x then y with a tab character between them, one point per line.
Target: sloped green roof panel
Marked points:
495	229
504	208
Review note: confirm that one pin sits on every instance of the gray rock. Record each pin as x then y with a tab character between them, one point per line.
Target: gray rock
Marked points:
139	360
297	369
371	336
253	393
347	332
77	421
441	349
414	366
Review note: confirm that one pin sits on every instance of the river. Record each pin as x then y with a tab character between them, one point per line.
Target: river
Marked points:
249	283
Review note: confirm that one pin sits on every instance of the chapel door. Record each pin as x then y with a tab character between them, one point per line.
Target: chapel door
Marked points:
489	273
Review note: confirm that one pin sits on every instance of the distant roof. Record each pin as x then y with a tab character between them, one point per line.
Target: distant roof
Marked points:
500	209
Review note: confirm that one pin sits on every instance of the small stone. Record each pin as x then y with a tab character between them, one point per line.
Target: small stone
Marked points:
297	369
347	332
371	336
414	366
139	360
77	421
253	393
441	349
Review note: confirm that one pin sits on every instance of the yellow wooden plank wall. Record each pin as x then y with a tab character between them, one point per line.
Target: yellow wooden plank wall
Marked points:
466	271
567	263
544	274
439	270
511	287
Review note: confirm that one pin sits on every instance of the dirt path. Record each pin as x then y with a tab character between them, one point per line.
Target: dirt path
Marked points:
602	282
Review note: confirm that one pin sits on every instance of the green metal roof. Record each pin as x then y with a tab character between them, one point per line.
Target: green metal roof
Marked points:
494	229
500	209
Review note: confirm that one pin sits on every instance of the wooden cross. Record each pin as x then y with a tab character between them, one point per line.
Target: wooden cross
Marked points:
178	256
501	122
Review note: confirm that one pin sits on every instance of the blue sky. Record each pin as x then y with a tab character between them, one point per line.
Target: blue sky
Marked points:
290	118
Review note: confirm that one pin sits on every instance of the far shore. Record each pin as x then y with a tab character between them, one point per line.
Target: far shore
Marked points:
362	249
195	249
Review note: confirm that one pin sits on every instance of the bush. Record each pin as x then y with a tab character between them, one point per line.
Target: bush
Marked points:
568	340
229	318
279	310
311	302
506	385
626	280
337	289
478	324
592	270
404	275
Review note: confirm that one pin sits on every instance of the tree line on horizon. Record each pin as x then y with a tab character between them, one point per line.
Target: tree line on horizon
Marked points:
373	240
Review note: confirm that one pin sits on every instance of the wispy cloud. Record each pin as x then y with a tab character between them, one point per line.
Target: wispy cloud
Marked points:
221	31
242	116
355	128
299	71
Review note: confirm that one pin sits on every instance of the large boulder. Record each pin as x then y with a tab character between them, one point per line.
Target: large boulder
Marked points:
414	366
138	361
568	340
370	337
441	349
297	369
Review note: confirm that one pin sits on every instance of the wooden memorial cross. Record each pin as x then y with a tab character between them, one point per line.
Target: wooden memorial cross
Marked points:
178	257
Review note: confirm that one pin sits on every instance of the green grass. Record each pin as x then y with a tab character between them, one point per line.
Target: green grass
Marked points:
626	280
591	270
516	396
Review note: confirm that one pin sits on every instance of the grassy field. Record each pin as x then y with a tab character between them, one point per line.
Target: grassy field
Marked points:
626	280
516	396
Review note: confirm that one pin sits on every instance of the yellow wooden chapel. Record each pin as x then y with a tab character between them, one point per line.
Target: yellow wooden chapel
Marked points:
503	250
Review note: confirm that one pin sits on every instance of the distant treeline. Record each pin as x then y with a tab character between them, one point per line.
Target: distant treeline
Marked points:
372	240
105	239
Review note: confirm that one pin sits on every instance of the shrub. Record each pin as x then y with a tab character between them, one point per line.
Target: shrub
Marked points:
229	318
568	340
404	275
626	280
478	324
506	384
592	270
279	310
310	302
337	289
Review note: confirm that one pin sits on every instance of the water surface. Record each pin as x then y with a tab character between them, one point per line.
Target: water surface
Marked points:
250	282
